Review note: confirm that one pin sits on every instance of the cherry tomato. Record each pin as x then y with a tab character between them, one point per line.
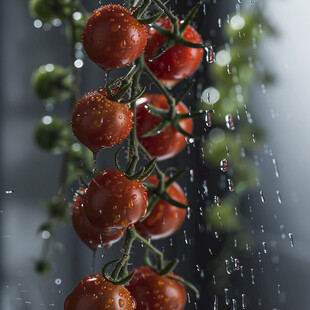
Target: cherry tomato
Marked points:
178	62
113	202
88	234
99	122
112	38
169	141
153	291
94	292
165	219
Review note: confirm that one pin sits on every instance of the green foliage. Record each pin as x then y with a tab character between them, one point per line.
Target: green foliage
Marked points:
59	208
52	82
47	10
52	135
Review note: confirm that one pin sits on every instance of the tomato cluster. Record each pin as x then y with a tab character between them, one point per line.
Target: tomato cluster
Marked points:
116	200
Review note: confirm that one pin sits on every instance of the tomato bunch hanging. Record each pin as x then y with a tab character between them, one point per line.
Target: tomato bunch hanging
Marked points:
138	201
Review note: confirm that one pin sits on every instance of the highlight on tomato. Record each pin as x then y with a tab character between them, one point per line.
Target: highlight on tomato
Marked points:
84	229
169	142
164	219
94	292
153	291
176	63
113	38
99	122
113	202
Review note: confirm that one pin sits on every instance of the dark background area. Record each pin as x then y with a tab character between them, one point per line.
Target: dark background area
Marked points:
281	280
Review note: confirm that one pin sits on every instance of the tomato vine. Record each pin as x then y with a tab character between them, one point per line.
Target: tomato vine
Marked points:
116	200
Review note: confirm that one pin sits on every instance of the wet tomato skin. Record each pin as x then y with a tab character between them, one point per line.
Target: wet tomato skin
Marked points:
113	202
94	292
169	141
112	38
153	291
165	219
99	122
84	229
178	62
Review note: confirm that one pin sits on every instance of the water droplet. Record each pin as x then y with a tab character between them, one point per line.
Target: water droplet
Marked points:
279	196
227	265
290	235
234	304
230	185
217	201
252	276
216	303
229	122
210	55
219	22
208	119
227	301
224	165
276	170
58	281
243	301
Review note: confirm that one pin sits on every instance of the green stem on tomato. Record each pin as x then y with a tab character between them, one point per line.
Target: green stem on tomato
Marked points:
151	248
174	19
121	268
133	148
122	265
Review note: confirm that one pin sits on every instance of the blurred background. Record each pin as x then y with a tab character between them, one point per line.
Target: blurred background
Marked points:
254	252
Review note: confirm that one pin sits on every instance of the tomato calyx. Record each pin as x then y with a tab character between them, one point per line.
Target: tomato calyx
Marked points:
160	192
142	174
175	35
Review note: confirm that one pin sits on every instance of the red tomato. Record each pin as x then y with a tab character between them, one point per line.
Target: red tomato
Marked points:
112	38
113	202
165	219
168	142
87	233
153	291
94	292
99	122
178	62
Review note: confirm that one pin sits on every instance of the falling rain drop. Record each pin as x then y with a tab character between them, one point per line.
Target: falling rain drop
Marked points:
227	301
217	201
262	197
216	303
279	197
191	172
276	170
264	247
224	165
252	276
229	69
210	55
230	185
208	120
227	266
243	301
290	235
9	192
229	122
234	304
